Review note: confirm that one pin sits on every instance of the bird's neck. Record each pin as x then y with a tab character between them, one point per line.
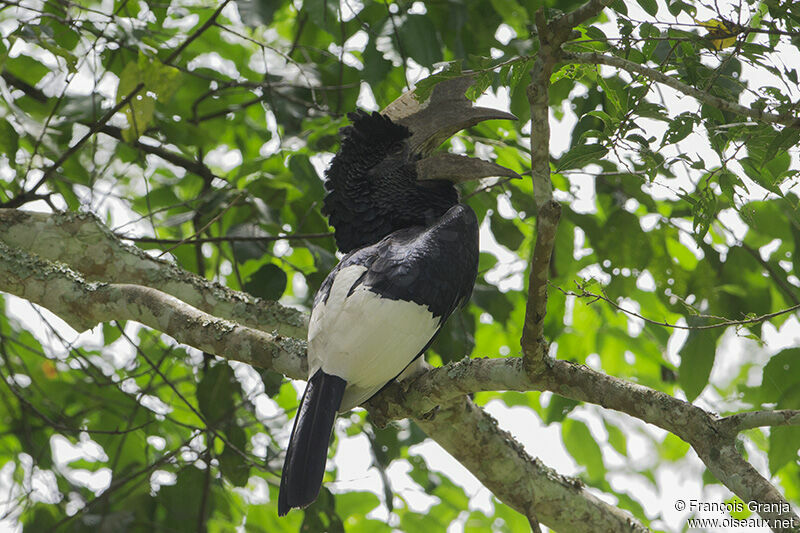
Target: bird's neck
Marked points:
360	221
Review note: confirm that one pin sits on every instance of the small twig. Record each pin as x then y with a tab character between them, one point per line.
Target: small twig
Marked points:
201	230
24	86
194	167
723	324
207	24
784	285
400	49
498	183
594	58
265	238
301	24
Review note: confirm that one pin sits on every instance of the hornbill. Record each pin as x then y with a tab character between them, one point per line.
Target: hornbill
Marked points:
411	259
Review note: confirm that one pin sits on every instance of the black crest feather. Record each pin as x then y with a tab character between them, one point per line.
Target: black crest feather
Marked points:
372	129
373	189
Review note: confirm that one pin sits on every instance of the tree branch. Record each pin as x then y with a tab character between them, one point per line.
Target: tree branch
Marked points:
178	160
594	58
712	438
533	345
207	24
756	419
473	437
85	304
197	240
539	101
82	304
590	9
551	37
722	322
88	246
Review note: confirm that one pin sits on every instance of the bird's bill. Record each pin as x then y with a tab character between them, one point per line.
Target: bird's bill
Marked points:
459	168
436	119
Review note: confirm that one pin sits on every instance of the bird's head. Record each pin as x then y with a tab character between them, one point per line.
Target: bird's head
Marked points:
385	176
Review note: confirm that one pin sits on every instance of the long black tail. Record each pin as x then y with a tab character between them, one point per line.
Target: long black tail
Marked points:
307	454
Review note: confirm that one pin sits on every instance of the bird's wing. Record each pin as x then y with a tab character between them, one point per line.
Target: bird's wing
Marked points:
383	304
364	338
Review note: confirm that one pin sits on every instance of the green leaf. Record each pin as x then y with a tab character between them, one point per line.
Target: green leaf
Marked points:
617	439
623	242
650	6
267	282
756	173
780	375
160	83
420	40
215	393
609	123
424	87
506	232
520	69
787	138
232	462
356	503
257	12
513	14
580	444
481	83
784	443
704	211
26	68
680	127
189	487
673	448
697	359
9	140
581	155
558	408
493	301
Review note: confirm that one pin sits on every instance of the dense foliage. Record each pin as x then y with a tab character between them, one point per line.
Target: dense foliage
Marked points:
200	131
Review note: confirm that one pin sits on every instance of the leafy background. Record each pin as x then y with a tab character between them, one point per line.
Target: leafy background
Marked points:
673	210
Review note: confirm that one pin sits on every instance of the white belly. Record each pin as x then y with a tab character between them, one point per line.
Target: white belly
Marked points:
363	338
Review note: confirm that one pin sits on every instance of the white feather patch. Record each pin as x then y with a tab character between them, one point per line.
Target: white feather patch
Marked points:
363	338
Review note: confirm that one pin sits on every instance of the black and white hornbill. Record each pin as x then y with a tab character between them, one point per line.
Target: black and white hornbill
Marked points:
412	259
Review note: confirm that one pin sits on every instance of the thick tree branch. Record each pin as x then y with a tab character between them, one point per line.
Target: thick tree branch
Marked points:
84	304
473	437
88	246
712	438
265	238
595	58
